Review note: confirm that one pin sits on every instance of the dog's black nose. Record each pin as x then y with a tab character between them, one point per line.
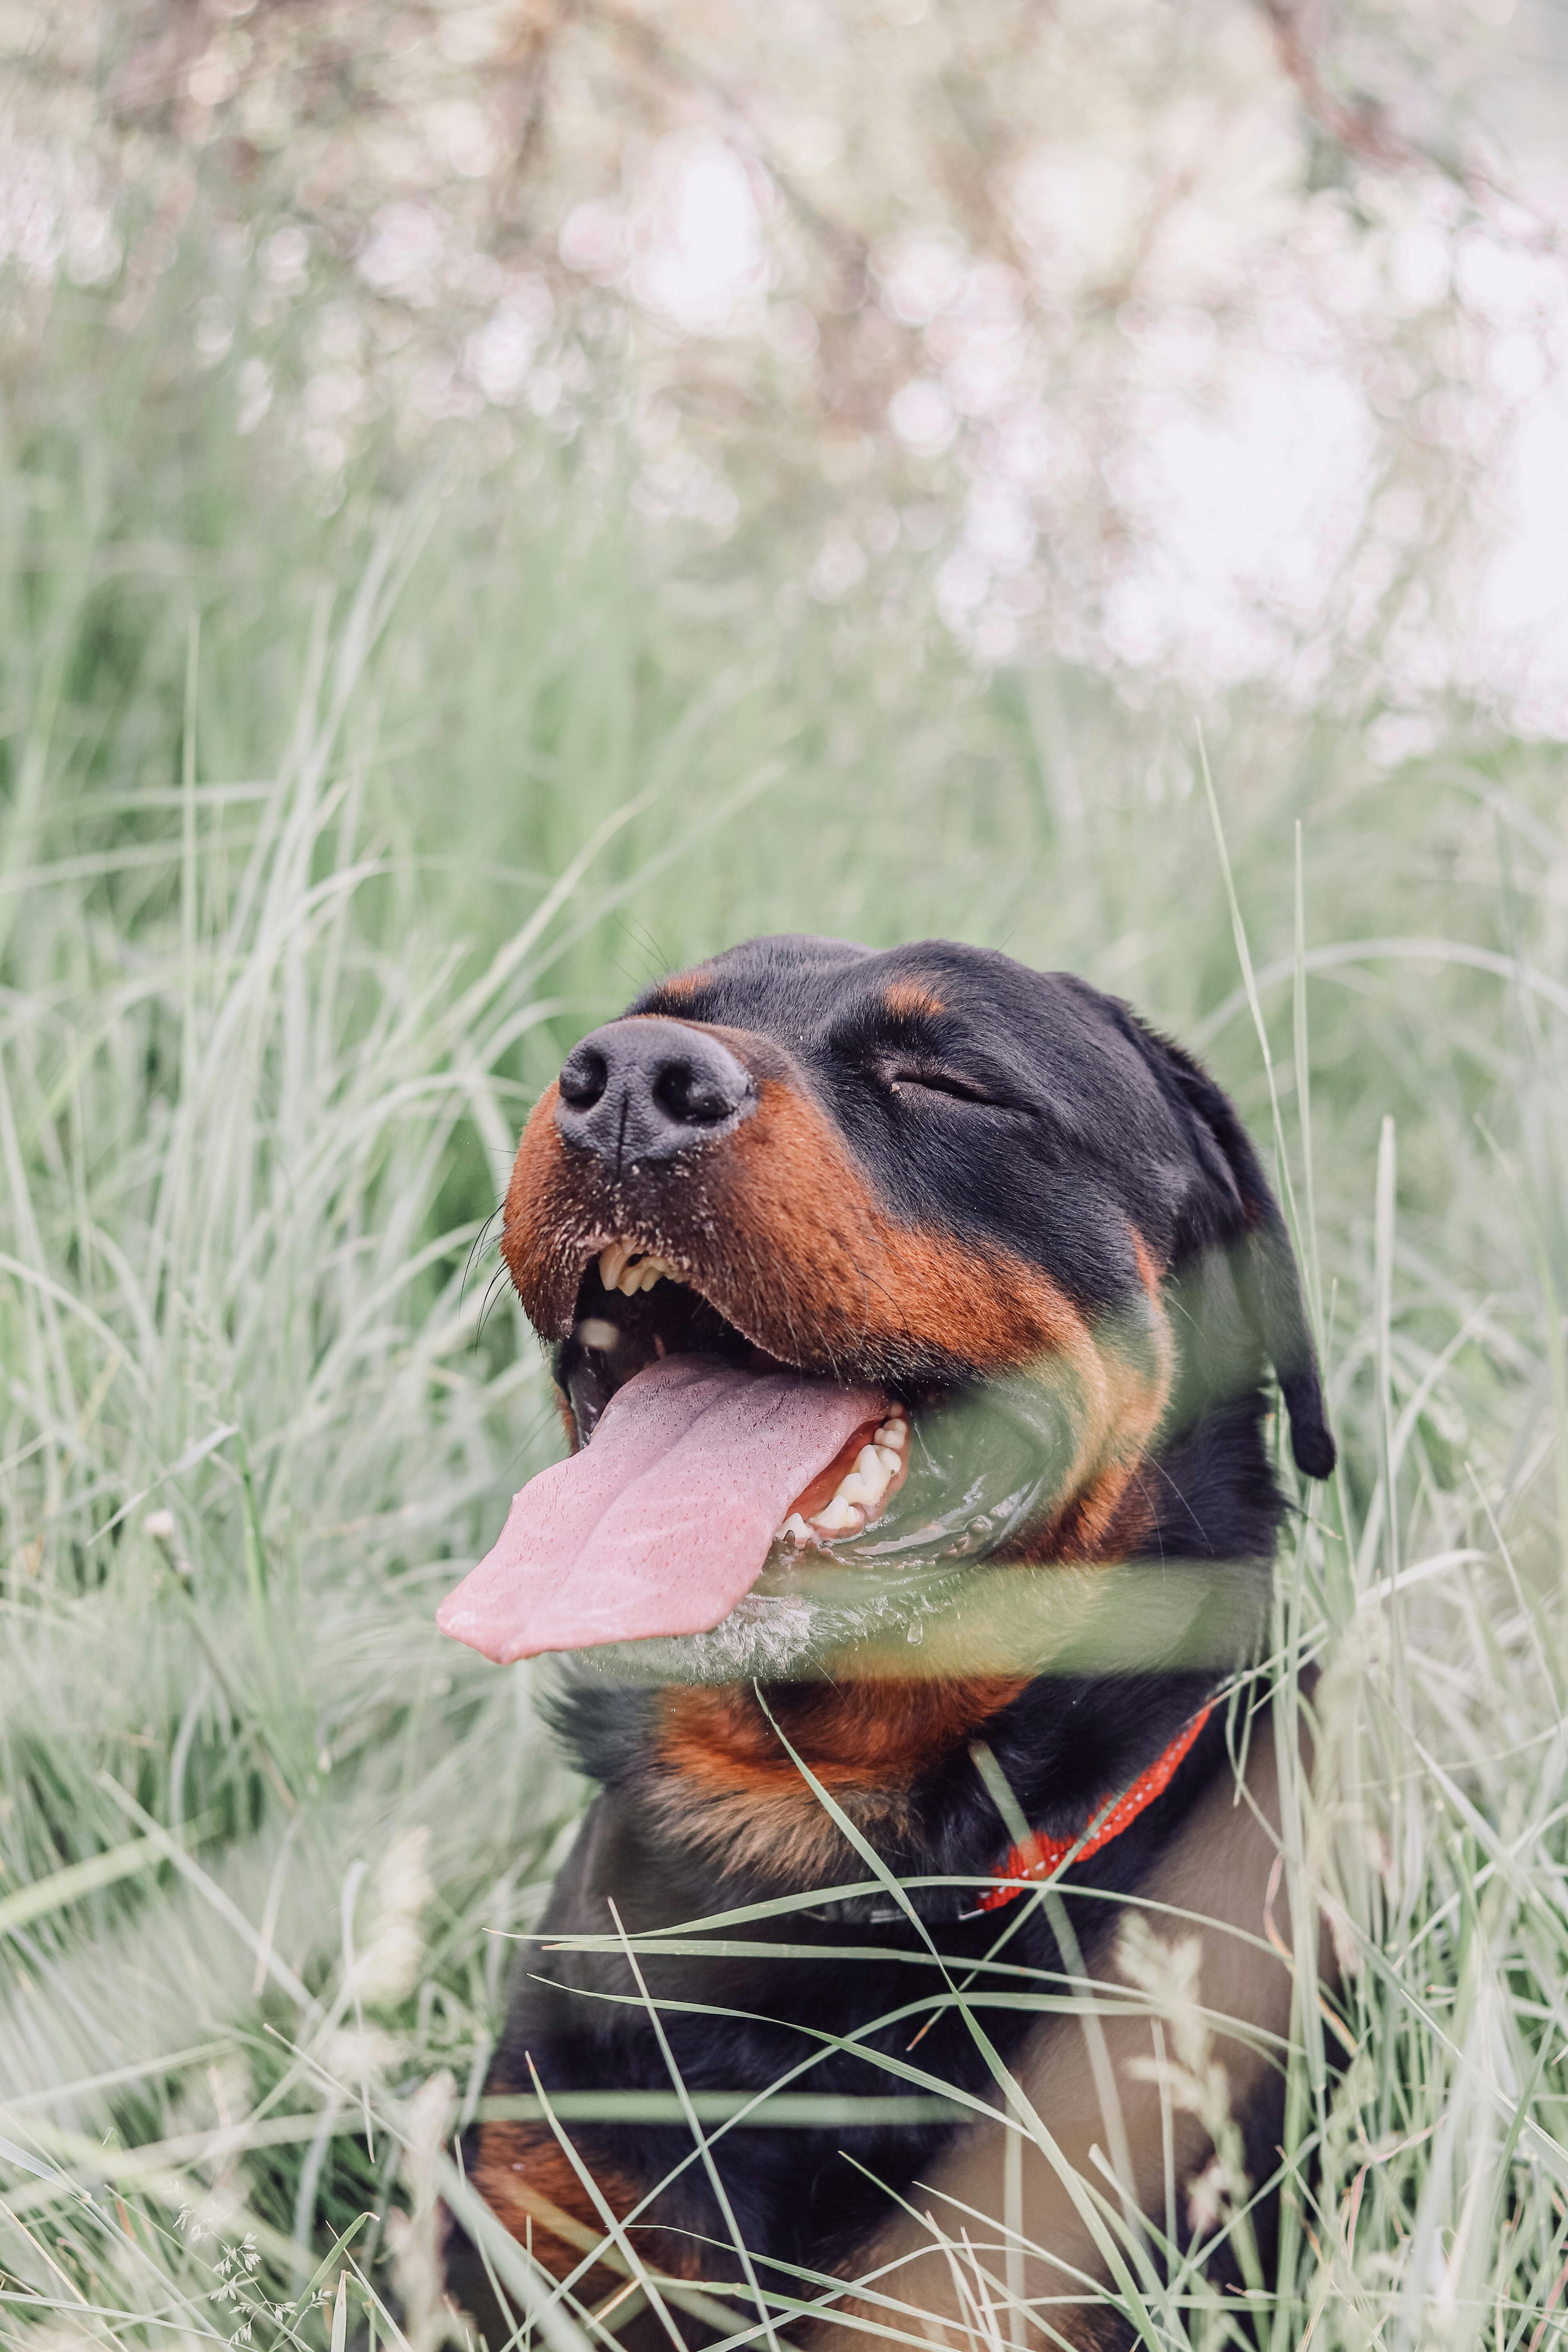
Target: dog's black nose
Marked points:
646	1090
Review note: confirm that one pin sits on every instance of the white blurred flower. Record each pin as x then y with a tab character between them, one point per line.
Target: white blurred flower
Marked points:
1000	527
699	255
1169	1974
285	258
255	393
463	135
404	251
984	372
811	143
792	331
996	638
1391	738
34	200
214	336
94	246
418	2273
840	566
388	1969
1213	2195
354	2053
963	583
324	448
921	414
921	275
1421	265
468	36
543	396
334	391
214	78
592	240
499	354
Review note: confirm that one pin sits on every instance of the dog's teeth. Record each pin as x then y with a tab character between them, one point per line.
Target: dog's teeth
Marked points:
594	1331
863	1485
838	1515
862	1492
796	1527
611	1262
624	1268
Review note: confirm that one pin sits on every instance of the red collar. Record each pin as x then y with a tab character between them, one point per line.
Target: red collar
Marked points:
1043	1856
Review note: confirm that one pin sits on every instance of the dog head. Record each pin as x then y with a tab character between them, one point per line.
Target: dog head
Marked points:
891	1259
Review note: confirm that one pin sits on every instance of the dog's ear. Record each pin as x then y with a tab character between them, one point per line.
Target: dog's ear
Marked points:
1269	1281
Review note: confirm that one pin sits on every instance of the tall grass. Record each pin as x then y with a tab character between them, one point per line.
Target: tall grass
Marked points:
320	837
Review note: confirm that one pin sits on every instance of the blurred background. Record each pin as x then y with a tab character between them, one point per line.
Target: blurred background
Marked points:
497	502
1195	344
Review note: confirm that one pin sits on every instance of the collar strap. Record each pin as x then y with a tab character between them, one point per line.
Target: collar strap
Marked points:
1042	1858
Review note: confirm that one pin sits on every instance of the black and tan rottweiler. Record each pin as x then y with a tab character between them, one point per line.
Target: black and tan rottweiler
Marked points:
914	1318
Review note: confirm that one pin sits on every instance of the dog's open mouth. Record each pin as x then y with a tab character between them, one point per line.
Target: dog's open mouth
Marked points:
700	1454
623	1333
705	1463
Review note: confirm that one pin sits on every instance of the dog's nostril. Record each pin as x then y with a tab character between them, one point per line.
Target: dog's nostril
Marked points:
584	1077
694	1096
648	1089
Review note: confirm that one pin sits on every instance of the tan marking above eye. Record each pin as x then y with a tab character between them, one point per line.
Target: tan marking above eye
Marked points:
686	983
910	999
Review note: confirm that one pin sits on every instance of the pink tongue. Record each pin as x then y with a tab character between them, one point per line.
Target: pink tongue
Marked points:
665	1521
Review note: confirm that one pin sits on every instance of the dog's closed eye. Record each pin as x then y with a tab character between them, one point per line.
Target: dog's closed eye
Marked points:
936	1078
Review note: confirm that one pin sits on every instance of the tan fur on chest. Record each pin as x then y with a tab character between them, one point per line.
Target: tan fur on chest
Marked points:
726	1783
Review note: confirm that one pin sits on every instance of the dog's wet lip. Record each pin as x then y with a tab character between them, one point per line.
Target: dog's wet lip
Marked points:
630	1269
685	1319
